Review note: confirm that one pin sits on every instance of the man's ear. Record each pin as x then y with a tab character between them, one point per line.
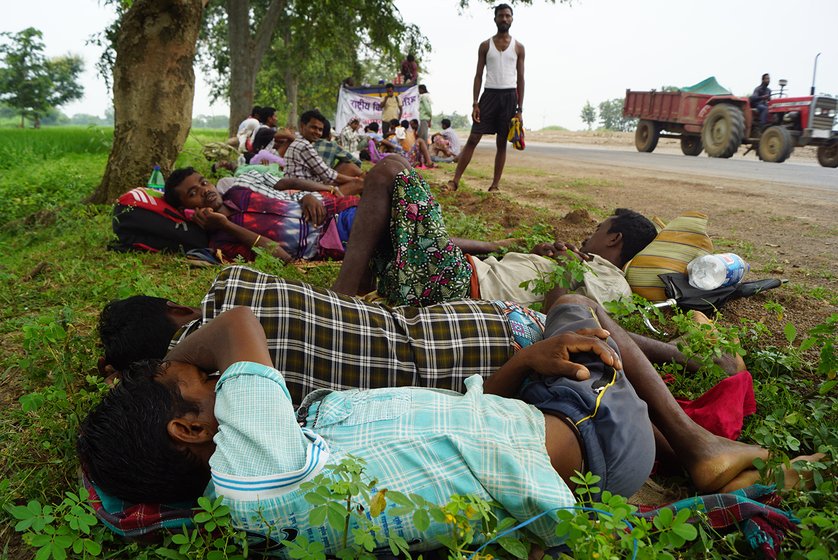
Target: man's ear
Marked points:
189	431
615	239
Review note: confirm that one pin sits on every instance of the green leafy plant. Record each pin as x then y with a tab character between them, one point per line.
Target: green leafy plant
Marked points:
59	531
568	273
214	537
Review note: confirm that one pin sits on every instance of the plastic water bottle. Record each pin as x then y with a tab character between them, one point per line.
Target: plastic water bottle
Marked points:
156	180
715	271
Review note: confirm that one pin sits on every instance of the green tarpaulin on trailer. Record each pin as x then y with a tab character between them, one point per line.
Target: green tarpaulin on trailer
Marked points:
709	86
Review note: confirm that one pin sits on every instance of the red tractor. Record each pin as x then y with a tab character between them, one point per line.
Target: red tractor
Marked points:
711	119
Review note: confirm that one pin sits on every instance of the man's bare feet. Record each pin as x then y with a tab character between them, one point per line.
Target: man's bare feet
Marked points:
792	477
721	461
494	188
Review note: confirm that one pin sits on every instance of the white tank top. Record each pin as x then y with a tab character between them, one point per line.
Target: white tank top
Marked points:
501	67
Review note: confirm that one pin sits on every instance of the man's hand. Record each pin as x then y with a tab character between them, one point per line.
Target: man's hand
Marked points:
475	114
313	210
559	249
551	356
209	219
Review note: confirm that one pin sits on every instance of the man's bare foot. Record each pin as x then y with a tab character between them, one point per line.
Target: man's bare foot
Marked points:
792	478
721	461
450	186
494	188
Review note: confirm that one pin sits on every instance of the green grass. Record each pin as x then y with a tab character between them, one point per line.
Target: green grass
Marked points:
56	275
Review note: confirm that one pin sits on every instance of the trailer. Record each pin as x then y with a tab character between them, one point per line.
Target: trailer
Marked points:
707	117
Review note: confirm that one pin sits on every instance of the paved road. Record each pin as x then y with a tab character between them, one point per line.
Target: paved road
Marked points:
799	174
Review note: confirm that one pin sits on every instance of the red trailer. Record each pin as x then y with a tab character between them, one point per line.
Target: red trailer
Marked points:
706	117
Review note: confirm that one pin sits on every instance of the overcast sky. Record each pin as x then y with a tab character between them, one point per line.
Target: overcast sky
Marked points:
591	50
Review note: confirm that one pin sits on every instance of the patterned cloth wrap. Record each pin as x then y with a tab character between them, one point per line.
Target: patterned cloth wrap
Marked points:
425	266
753	510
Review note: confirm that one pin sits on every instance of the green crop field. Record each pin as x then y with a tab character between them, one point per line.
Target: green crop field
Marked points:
56	274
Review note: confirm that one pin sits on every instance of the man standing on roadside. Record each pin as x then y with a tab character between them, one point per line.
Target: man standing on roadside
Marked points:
502	99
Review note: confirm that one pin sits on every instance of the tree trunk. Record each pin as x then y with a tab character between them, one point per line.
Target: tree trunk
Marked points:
292	83
246	53
154	86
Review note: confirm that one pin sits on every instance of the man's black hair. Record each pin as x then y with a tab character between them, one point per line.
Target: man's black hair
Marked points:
446	123
423	88
389	86
124	444
327	129
395	122
364	155
764	75
135	328
263	137
255	111
638	231
410	57
405	124
500	7
373	126
265	113
312	114
177	177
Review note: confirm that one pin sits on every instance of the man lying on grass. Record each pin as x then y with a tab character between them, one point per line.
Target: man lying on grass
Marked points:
291	226
320	339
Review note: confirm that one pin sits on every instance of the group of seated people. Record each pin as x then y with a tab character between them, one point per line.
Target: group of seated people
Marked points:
271	382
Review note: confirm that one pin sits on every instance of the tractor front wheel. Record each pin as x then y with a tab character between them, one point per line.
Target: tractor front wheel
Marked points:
691	145
775	144
723	130
646	136
828	153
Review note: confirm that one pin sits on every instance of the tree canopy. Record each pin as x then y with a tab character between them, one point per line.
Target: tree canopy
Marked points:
33	84
290	53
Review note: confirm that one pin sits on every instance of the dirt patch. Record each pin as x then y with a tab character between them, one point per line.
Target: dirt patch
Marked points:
783	232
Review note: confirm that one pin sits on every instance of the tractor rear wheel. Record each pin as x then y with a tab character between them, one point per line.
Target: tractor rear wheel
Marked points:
775	144
828	153
723	130
646	136
691	145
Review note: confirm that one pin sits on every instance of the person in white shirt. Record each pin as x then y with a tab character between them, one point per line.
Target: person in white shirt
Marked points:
247	129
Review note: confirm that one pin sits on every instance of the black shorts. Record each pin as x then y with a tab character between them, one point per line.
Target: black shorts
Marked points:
497	107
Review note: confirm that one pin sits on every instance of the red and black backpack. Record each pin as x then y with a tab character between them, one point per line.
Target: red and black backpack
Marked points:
143	221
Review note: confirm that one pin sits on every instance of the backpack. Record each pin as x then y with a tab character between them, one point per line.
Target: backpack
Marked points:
143	221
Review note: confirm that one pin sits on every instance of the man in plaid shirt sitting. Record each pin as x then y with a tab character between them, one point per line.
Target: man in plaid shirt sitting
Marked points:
302	160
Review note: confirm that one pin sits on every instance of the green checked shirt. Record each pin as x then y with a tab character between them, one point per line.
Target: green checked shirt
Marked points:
415	441
333	154
319	339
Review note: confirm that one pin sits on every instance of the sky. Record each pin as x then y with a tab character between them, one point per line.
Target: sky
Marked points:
590	50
